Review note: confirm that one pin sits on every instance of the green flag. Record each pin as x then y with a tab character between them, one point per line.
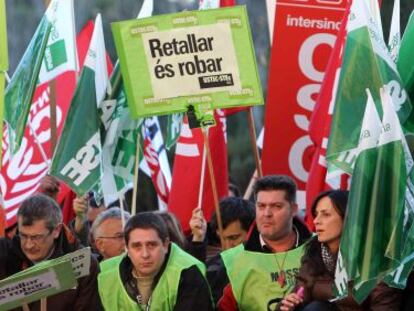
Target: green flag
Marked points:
174	123
19	92
375	237
77	159
366	64
120	140
405	58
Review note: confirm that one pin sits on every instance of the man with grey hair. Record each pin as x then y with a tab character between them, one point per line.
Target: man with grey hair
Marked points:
108	233
41	236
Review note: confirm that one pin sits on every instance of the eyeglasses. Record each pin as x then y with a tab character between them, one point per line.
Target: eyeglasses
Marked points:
116	236
36	238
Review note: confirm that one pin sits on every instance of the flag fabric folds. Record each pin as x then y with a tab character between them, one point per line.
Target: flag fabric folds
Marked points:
320	125
185	185
377	234
366	64
60	53
51	52
19	91
77	160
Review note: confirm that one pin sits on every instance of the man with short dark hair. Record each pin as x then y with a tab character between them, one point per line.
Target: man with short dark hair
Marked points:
41	236
155	274
263	270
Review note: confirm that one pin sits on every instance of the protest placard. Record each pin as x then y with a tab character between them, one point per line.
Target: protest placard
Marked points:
172	61
42	280
80	260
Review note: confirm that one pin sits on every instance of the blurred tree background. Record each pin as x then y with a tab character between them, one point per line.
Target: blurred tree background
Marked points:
24	15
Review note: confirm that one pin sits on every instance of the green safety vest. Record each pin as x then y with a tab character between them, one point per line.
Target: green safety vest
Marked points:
254	276
115	297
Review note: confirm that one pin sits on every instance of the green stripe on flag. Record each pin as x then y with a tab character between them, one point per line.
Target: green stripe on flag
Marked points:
19	92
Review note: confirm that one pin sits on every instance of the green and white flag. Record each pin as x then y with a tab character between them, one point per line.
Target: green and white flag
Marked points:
174	124
366	64
394	40
77	159
405	62
364	170
376	235
61	53
19	91
120	134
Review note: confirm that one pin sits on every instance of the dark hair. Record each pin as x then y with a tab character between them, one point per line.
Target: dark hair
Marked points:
339	199
233	188
40	207
233	209
174	228
276	182
146	220
312	257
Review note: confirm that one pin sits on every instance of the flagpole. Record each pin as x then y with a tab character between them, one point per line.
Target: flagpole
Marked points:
135	189
249	189
52	106
203	171
121	204
253	139
213	183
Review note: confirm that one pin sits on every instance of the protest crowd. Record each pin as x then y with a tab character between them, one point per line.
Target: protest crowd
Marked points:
77	236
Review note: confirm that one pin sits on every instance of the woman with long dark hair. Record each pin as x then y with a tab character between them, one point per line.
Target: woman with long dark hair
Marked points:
317	273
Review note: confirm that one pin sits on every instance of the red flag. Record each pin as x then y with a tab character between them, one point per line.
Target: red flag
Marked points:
21	175
224	3
320	124
157	176
298	61
187	171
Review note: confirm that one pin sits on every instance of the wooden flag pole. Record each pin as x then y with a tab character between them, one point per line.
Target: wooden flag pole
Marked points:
253	138
213	184
203	173
249	189
135	190
43	304
52	106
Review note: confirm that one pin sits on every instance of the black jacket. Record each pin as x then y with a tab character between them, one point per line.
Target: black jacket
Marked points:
193	291
83	297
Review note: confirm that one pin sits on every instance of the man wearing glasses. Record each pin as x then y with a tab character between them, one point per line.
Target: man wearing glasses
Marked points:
41	236
108	233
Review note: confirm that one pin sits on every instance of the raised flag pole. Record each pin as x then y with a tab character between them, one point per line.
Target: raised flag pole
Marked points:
253	139
52	106
213	182
135	189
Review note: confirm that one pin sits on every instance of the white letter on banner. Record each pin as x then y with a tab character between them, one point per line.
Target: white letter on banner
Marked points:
296	156
85	161
306	54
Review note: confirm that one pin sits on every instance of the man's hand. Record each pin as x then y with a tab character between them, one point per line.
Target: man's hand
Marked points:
198	225
80	207
49	186
290	302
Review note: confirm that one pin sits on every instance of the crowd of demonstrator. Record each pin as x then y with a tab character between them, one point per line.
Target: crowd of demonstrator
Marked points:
265	258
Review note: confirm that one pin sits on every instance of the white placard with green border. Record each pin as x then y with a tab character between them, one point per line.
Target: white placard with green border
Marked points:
80	260
172	61
40	281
